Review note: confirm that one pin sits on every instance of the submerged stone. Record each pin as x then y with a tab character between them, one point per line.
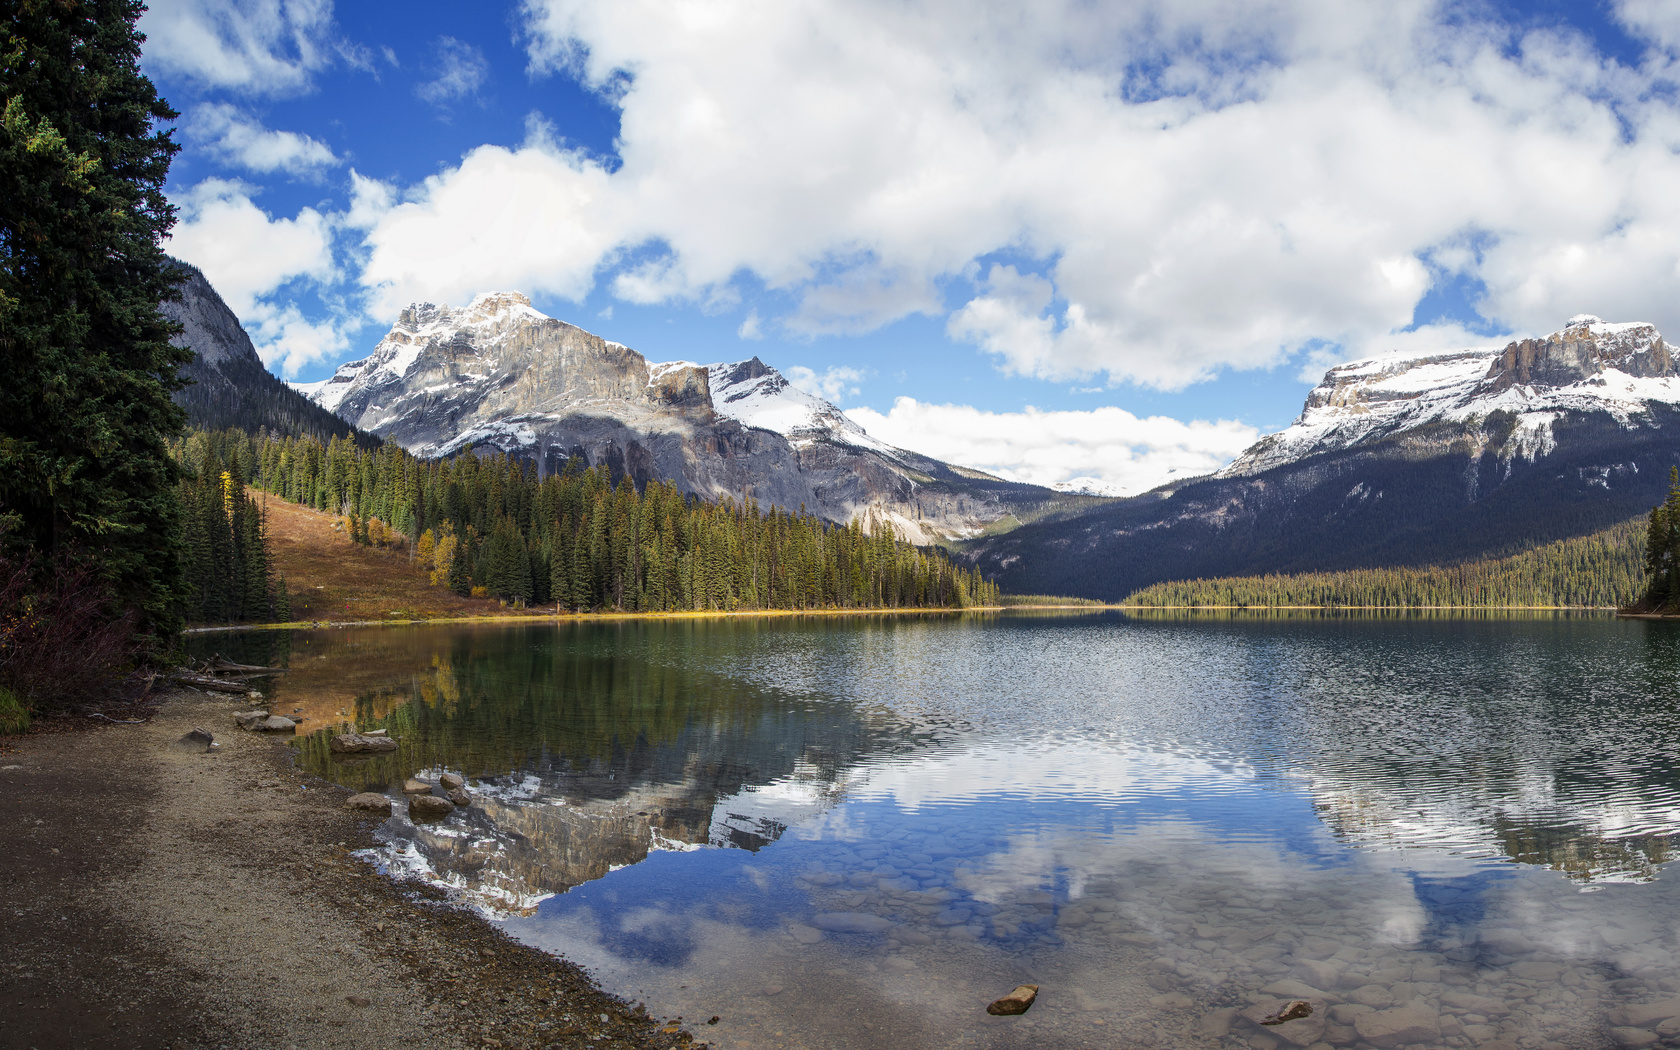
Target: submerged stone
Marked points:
851	922
1017	1002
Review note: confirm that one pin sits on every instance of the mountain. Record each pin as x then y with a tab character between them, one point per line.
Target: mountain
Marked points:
1396	460
230	385
499	373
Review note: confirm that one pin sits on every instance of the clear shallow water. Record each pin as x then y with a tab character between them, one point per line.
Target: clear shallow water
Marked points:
858	831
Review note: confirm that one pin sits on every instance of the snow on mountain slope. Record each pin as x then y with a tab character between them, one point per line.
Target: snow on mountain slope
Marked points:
1589	366
759	396
498	373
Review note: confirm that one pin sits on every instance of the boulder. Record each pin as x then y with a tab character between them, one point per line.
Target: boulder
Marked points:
247	719
1017	1002
1291	1020
1287	989
200	739
1279	1013
851	922
1643	1015
354	743
275	723
416	787
1481	1004
429	807
370	802
805	934
377	732
459	796
452	780
1398	1027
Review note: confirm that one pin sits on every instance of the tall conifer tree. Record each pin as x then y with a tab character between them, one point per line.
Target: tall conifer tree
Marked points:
85	414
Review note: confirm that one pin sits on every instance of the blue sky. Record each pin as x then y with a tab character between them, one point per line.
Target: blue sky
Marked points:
1127	236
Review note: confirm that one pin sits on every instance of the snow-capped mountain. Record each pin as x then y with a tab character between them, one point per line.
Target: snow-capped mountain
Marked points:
1402	459
759	396
500	373
1589	366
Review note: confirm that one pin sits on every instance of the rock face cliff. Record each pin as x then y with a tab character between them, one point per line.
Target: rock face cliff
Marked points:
229	385
1398	460
501	374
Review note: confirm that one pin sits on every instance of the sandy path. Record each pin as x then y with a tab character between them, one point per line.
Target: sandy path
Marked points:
154	896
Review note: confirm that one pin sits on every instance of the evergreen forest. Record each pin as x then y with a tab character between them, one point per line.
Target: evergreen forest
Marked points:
488	525
1662	552
1603	570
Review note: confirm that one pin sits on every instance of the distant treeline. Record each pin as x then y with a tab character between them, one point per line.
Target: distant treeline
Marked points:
1603	570
489	524
1012	600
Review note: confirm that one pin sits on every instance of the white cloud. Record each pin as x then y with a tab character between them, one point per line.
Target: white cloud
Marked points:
1657	20
1166	189
238	139
538	219
250	258
461	71
1124	453
256	46
750	326
835	383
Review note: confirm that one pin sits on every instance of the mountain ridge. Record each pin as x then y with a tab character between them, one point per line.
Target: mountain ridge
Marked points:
498	372
1400	460
229	386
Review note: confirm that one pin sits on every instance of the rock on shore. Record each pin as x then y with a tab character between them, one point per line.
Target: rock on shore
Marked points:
370	802
356	743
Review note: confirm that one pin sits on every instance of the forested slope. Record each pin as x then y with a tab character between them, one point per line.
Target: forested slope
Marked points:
1603	570
574	540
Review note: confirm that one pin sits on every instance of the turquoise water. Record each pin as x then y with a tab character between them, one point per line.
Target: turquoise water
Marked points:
1444	831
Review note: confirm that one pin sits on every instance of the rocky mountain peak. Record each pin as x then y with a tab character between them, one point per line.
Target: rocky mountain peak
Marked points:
1590	365
1584	348
499	373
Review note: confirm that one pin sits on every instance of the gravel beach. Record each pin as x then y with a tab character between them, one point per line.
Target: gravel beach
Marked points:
162	896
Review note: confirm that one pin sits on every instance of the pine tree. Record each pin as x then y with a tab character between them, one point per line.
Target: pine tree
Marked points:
85	412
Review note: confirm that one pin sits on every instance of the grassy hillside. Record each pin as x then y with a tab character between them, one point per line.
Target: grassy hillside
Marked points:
332	578
1603	570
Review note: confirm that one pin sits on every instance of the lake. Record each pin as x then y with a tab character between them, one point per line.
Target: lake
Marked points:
1448	830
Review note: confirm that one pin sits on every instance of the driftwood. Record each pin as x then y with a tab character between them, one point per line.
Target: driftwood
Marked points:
217	665
198	681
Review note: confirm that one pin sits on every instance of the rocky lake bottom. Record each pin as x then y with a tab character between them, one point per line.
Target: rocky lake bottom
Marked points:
1437	831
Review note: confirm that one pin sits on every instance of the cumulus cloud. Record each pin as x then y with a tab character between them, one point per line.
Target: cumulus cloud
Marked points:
251	257
1151	192
750	326
461	71
835	383
256	46
236	138
538	218
1109	448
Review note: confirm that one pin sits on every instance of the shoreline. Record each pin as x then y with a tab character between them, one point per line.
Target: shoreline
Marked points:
303	625
184	898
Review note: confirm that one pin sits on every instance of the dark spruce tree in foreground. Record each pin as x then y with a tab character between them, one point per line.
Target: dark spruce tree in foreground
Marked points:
87	486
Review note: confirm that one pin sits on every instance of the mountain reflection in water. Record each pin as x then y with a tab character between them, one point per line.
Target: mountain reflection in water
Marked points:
962	801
